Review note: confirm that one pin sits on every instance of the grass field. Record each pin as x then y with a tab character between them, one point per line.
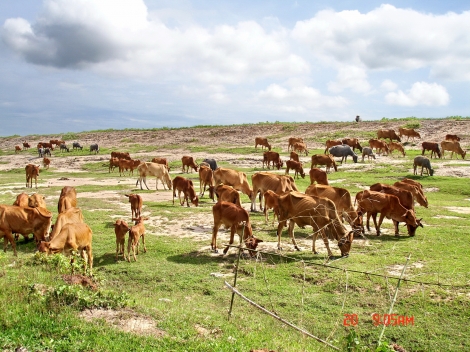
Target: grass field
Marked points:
175	293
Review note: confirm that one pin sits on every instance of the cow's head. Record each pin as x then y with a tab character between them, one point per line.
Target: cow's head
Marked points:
195	201
44	247
345	243
412	229
251	243
431	172
354	158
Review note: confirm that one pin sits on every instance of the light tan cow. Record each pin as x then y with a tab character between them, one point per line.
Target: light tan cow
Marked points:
206	180
418	193
263	181
327	160
120	229
67	199
271	201
227	193
292	141
409	132
390	134
136	232
32	171
153	169
69	216
263	142
236	179
331	143
396	146
379	146
453	147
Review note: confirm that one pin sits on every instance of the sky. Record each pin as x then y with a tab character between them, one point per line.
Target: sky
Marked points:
81	65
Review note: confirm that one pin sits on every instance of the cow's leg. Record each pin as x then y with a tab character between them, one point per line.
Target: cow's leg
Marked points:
233	229
291	233
143	243
397	231
129	246
326	242
377	228
215	230
118	245
368	220
280	226
8	237
381	219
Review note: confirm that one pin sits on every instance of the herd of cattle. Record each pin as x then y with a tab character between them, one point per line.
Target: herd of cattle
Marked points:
321	206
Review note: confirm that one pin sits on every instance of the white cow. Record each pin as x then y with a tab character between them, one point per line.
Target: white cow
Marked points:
153	169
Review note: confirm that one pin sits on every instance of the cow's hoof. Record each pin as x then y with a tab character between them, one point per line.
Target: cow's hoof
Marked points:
297	248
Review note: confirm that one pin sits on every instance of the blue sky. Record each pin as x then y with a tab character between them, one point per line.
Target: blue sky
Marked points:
76	65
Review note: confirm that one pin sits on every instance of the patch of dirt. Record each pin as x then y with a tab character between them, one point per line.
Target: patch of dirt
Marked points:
78	279
461	210
125	320
396	270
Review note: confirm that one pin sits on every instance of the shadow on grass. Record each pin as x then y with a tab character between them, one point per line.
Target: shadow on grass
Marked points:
197	258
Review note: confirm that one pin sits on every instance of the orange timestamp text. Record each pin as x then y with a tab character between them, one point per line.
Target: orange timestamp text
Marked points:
380	319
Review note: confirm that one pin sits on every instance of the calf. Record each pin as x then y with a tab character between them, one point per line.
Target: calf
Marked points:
263	142
184	185
121	155
188	162
452	137
411	186
94	148
301	148
327	160
227	194
296	166
396	146
273	157
113	163
292	141
378	145
46	162
294	156
271	201
237	219
136	204
130	165
120	229
206	179
453	147
319	176
26	145
64	147
433	147
17	149
32	171
135	233
47	151
367	151
425	163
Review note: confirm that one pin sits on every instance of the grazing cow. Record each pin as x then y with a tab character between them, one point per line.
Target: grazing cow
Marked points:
120	229
416	191
379	146
453	147
46	162
136	204
26	145
388	206
271	201
212	163
263	181
294	156
32	171
353	143
121	155
23	220
227	194
425	163
76	145
57	142
331	143
390	134
153	169
41	152
408	132
300	147
46	145
47	151
162	161
327	160
69	216
273	157
237	219
319	176
186	186
343	151
292	141
396	146
72	237
296	166
236	179
22	200
130	165
94	148
64	147
113	163
452	137
263	142
136	232
206	179
433	147
17	149
37	200
67	199
367	151
342	199
188	162
320	213
414	183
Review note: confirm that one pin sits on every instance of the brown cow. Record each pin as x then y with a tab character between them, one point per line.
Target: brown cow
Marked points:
121	155
263	142
72	237
331	143
22	200
206	179
46	145
237	219
33	201
236	179
433	147
452	137
342	199
300	147
188	162
408	132
227	194
125	164
296	166
396	146
263	181
271	201
120	229
17	149
294	156
353	143
418	194
46	162
26	145
186	186
23	220
388	206
319	176
153	169
327	160
69	216
292	141
32	171
113	163
37	200
136	204
273	157
67	199
162	161
320	213
136	232
453	147
390	134
378	145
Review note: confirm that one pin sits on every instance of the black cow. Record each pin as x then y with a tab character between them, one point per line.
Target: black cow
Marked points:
212	163
94	148
64	147
76	145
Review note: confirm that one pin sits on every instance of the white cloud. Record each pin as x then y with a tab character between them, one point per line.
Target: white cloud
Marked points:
351	77
421	93
388	85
